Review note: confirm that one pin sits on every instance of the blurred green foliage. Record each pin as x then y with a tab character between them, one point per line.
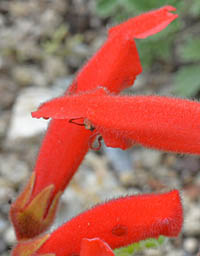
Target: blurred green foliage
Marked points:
61	43
136	247
52	45
177	47
123	9
187	81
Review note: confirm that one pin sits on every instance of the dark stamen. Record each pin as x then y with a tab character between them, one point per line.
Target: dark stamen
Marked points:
92	141
73	121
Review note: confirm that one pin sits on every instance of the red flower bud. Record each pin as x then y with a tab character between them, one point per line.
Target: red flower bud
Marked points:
32	217
30	247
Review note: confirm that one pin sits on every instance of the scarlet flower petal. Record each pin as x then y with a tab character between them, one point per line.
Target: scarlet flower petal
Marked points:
119	222
95	246
72	106
164	123
146	24
114	66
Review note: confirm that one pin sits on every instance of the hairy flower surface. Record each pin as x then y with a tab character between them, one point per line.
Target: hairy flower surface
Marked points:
115	66
118	222
164	123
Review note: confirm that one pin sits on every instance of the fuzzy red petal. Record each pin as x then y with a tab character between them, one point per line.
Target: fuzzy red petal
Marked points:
146	24
114	66
72	106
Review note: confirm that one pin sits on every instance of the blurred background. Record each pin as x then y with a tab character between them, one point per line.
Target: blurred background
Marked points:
42	45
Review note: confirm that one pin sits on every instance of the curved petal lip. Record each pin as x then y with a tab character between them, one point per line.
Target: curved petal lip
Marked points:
146	24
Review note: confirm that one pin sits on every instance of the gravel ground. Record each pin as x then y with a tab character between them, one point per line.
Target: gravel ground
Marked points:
42	45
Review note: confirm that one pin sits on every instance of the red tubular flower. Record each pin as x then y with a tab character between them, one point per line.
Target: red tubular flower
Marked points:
114	66
118	222
164	123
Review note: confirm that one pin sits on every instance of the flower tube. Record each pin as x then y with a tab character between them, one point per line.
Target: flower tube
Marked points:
159	122
118	222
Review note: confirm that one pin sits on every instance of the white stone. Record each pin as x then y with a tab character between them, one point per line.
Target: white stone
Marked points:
192	221
120	159
150	158
9	236
13	170
190	245
22	124
6	191
3	225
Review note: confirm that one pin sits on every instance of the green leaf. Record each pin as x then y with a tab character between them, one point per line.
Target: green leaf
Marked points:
191	50
129	8
187	81
161	240
106	7
148	243
195	8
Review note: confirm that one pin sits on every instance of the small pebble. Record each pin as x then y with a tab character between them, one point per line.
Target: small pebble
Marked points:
150	158
9	236
2	247
190	245
192	221
13	169
3	225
